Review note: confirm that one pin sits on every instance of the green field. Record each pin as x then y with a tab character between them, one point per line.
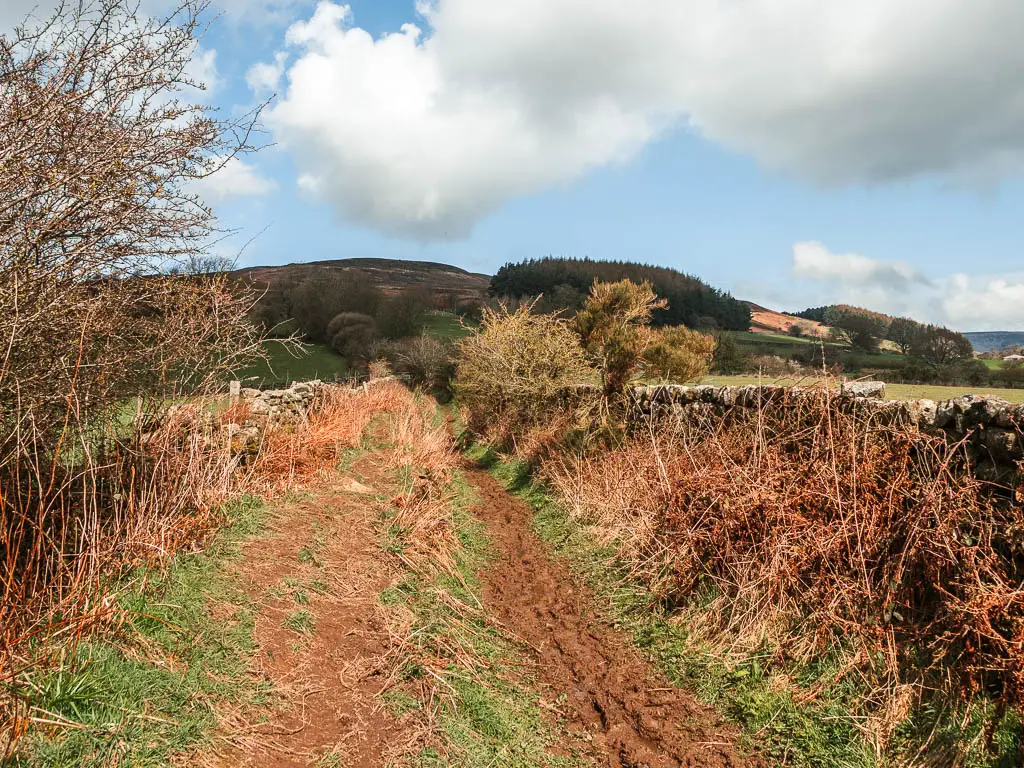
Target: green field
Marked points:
892	391
750	337
313	361
445	325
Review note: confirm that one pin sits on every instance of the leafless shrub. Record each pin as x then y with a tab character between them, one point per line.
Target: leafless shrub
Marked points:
108	305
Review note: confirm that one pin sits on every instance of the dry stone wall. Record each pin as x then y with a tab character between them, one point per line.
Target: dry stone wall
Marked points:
991	429
268	408
280	405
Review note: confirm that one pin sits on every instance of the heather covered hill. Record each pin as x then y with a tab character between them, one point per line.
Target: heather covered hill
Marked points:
565	283
764	320
390	276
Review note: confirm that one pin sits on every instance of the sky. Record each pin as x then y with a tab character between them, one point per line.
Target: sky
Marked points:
792	152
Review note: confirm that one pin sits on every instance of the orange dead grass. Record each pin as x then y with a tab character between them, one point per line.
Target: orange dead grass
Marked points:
819	532
338	418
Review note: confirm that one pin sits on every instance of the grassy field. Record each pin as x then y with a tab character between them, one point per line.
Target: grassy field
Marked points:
318	361
892	391
313	361
772	338
445	325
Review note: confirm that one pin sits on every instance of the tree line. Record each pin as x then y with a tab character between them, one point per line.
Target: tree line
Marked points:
865	330
565	284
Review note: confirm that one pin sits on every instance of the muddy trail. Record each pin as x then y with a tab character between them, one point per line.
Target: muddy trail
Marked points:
634	715
324	645
316	575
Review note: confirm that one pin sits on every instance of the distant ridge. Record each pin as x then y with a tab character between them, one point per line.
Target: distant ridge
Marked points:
389	275
989	341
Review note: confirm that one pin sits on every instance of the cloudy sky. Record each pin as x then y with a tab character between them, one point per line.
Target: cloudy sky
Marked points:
793	152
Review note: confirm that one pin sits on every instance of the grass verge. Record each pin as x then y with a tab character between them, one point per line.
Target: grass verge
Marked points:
465	681
150	693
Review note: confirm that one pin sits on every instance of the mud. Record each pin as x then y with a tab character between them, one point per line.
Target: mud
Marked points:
635	716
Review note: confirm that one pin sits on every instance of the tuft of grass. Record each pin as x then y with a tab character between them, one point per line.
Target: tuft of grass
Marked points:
152	694
330	760
301	622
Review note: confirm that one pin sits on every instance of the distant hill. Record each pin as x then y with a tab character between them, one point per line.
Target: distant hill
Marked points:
764	320
389	275
988	341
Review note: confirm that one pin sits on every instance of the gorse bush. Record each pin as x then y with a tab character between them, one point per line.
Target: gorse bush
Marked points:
679	354
517	367
526	369
614	329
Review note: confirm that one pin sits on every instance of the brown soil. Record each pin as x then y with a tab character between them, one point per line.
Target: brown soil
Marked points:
635	716
322	557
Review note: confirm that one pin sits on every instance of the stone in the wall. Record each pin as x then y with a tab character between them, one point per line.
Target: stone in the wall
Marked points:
863	389
1004	445
923	412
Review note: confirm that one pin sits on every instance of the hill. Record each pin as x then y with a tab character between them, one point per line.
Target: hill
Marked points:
989	341
764	320
391	276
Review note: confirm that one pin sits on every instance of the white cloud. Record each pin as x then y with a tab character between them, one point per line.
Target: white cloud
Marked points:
815	262
966	303
235	179
266	77
378	128
422	132
984	302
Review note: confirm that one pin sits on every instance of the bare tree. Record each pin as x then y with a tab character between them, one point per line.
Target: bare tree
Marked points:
101	143
100	149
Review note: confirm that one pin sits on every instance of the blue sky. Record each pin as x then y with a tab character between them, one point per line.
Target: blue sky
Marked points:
792	152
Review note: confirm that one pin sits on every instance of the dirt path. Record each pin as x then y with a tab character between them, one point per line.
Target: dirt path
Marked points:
319	638
322	643
635	716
